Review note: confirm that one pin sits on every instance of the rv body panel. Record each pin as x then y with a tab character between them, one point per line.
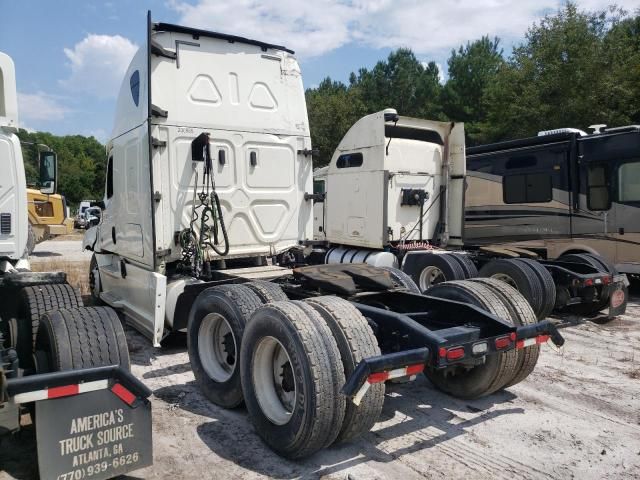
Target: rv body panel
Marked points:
594	203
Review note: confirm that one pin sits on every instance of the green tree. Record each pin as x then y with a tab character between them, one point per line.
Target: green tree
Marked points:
332	109
401	82
571	71
80	163
472	69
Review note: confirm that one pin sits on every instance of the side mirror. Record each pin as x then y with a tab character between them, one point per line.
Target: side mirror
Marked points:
48	172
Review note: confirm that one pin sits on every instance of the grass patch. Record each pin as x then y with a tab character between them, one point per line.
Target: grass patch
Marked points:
77	272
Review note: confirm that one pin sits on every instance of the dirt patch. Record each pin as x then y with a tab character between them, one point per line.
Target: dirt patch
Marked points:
576	416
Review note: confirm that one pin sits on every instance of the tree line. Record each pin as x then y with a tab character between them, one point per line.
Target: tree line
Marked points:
573	69
81	163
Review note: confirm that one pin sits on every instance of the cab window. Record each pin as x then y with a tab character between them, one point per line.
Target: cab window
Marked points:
318	187
349	160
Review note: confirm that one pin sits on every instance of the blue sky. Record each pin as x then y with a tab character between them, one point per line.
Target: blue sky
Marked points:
70	55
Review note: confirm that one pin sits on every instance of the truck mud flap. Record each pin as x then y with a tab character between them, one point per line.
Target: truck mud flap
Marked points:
618	296
90	424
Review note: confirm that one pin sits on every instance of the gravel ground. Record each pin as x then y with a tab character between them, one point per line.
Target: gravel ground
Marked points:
576	416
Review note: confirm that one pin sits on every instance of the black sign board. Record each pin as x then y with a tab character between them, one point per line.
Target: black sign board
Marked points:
93	435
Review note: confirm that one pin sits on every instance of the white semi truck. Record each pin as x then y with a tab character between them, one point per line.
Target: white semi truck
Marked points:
207	227
58	359
394	193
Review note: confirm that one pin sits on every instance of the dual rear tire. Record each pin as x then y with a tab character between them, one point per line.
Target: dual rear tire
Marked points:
498	371
290	362
428	268
528	277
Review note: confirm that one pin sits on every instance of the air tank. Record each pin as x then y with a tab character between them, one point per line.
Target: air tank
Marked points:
375	258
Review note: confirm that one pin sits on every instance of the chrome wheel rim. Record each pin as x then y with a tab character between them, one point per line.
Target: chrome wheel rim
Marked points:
430	276
217	347
273	380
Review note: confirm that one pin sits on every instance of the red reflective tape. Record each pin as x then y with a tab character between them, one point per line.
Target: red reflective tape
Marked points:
512	336
125	395
378	377
542	339
65	391
415	369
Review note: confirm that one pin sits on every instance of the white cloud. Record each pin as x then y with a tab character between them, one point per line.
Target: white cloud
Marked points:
313	28
40	106
98	63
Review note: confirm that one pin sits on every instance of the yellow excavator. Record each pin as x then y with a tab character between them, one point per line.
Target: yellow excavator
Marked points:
47	212
47	217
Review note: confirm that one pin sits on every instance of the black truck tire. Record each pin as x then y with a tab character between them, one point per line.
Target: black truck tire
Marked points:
35	301
548	285
601	265
267	291
497	370
521	314
337	369
95	285
470	270
293	411
84	337
427	268
215	328
355	341
521	277
401	279
31	240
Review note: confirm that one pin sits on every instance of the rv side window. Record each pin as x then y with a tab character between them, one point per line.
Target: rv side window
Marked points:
110	177
629	183
349	160
318	187
598	188
527	188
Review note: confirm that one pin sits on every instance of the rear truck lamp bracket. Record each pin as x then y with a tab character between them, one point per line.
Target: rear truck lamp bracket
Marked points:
542	331
382	368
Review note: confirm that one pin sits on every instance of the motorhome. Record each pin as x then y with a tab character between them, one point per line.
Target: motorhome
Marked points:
562	192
